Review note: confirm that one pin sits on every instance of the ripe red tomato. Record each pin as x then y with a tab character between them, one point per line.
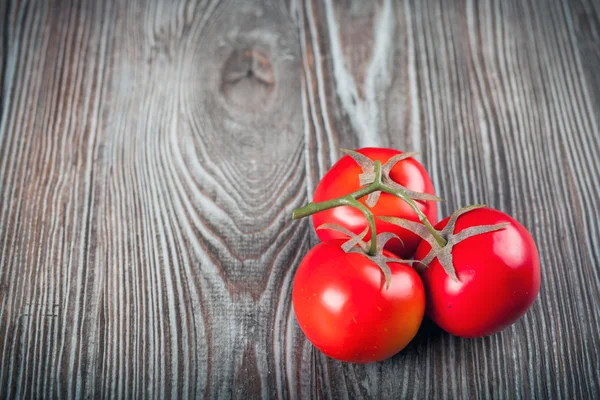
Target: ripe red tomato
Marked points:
342	179
344	309
498	272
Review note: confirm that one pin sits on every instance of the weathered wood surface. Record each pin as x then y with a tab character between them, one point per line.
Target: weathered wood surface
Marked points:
151	153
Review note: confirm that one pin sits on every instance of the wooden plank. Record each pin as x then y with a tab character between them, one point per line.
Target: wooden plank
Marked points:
151	153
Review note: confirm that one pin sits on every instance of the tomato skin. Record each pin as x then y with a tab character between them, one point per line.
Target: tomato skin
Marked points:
498	272
344	309
342	179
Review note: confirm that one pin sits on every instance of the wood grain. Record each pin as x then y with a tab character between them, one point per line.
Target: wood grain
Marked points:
151	153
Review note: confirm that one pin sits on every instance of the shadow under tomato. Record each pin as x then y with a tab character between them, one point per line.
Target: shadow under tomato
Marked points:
428	335
428	331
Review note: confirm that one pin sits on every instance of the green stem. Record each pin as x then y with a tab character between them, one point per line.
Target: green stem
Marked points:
422	217
313	208
347	200
351	200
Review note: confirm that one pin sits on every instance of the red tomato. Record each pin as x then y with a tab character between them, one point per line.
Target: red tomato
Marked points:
498	272
343	307
342	179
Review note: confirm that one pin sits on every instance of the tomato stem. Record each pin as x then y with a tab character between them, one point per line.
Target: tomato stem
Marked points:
370	219
422	217
348	200
351	200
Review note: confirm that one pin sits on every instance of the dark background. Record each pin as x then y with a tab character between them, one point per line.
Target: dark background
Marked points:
151	153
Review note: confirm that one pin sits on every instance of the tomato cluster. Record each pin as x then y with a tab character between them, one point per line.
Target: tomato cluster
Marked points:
473	273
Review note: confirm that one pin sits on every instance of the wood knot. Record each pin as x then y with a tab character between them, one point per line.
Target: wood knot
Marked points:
248	80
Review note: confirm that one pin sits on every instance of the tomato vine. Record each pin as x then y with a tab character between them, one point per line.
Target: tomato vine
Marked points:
375	179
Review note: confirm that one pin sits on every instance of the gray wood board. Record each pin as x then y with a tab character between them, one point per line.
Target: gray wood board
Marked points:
151	153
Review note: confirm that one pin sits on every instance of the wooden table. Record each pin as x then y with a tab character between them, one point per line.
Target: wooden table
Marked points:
151	153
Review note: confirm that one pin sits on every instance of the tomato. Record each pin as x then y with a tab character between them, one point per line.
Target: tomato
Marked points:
343	179
498	276
344	309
